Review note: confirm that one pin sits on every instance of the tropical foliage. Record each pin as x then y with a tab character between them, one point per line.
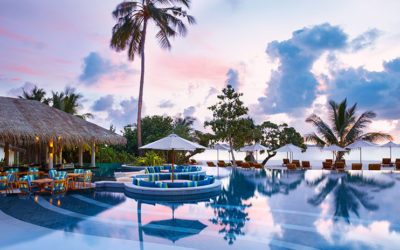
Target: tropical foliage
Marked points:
345	127
130	32
151	159
229	123
275	136
67	100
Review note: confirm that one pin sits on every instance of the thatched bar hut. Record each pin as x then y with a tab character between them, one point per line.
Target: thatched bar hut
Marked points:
27	123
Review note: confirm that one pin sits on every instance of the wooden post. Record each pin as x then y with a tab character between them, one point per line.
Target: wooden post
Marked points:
173	156
80	160
60	154
51	155
93	161
7	153
17	158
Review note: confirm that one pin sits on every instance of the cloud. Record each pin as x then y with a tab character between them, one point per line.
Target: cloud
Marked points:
293	86
28	86
166	104
189	111
104	103
378	91
94	67
125	114
233	78
364	40
22	39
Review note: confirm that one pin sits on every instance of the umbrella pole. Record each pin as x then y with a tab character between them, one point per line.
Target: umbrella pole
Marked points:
256	156
360	157
390	154
217	155
173	156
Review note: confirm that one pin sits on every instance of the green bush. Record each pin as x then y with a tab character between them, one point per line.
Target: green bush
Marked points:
111	155
151	159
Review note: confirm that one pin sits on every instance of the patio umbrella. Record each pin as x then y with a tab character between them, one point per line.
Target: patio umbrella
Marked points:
390	145
289	148
254	148
219	147
361	144
334	148
173	142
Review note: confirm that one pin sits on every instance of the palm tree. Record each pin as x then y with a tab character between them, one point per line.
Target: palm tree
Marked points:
35	94
345	128
68	101
131	29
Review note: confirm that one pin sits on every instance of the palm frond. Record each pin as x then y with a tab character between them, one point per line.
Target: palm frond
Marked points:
357	128
313	137
376	136
322	128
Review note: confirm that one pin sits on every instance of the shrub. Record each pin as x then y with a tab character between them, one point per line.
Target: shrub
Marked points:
151	159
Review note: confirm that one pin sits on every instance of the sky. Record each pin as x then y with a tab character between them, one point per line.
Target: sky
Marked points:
289	58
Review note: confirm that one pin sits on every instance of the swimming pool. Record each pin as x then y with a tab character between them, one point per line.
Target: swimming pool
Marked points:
255	210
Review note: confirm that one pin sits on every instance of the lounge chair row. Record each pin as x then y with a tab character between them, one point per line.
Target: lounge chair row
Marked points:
242	164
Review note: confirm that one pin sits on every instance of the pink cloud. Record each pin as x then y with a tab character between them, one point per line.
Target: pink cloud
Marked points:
15	79
21	38
21	69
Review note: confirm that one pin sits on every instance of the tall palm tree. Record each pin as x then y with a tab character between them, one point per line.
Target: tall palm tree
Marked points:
36	94
345	128
131	29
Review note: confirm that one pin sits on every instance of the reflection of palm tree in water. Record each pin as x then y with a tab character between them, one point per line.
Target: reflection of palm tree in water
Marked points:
229	209
349	191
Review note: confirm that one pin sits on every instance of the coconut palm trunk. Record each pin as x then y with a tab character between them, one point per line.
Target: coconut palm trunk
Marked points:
140	101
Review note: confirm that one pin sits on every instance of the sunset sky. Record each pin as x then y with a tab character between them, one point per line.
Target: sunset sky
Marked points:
287	57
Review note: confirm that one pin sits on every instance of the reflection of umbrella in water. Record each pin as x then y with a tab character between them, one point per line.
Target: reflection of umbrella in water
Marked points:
172	229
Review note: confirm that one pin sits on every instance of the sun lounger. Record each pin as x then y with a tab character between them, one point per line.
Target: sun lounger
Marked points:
397	166
210	164
258	166
329	160
340	165
387	162
285	162
356	166
245	165
305	165
374	166
291	166
221	164
327	165
297	163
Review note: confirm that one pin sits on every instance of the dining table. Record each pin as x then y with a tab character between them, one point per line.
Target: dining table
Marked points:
42	183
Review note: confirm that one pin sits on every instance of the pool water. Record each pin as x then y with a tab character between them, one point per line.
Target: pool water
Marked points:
255	210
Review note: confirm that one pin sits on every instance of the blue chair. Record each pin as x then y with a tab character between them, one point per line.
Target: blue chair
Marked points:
59	185
78	171
52	173
86	179
4	184
25	185
11	182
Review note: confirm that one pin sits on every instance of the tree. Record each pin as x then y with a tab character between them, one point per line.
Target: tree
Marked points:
36	94
131	28
68	101
345	128
228	122
275	136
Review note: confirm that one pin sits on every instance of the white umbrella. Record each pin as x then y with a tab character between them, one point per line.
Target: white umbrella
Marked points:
390	145
255	147
173	142
289	148
361	144
219	147
334	148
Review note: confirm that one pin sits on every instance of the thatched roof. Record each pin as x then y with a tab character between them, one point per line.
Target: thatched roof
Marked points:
22	120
